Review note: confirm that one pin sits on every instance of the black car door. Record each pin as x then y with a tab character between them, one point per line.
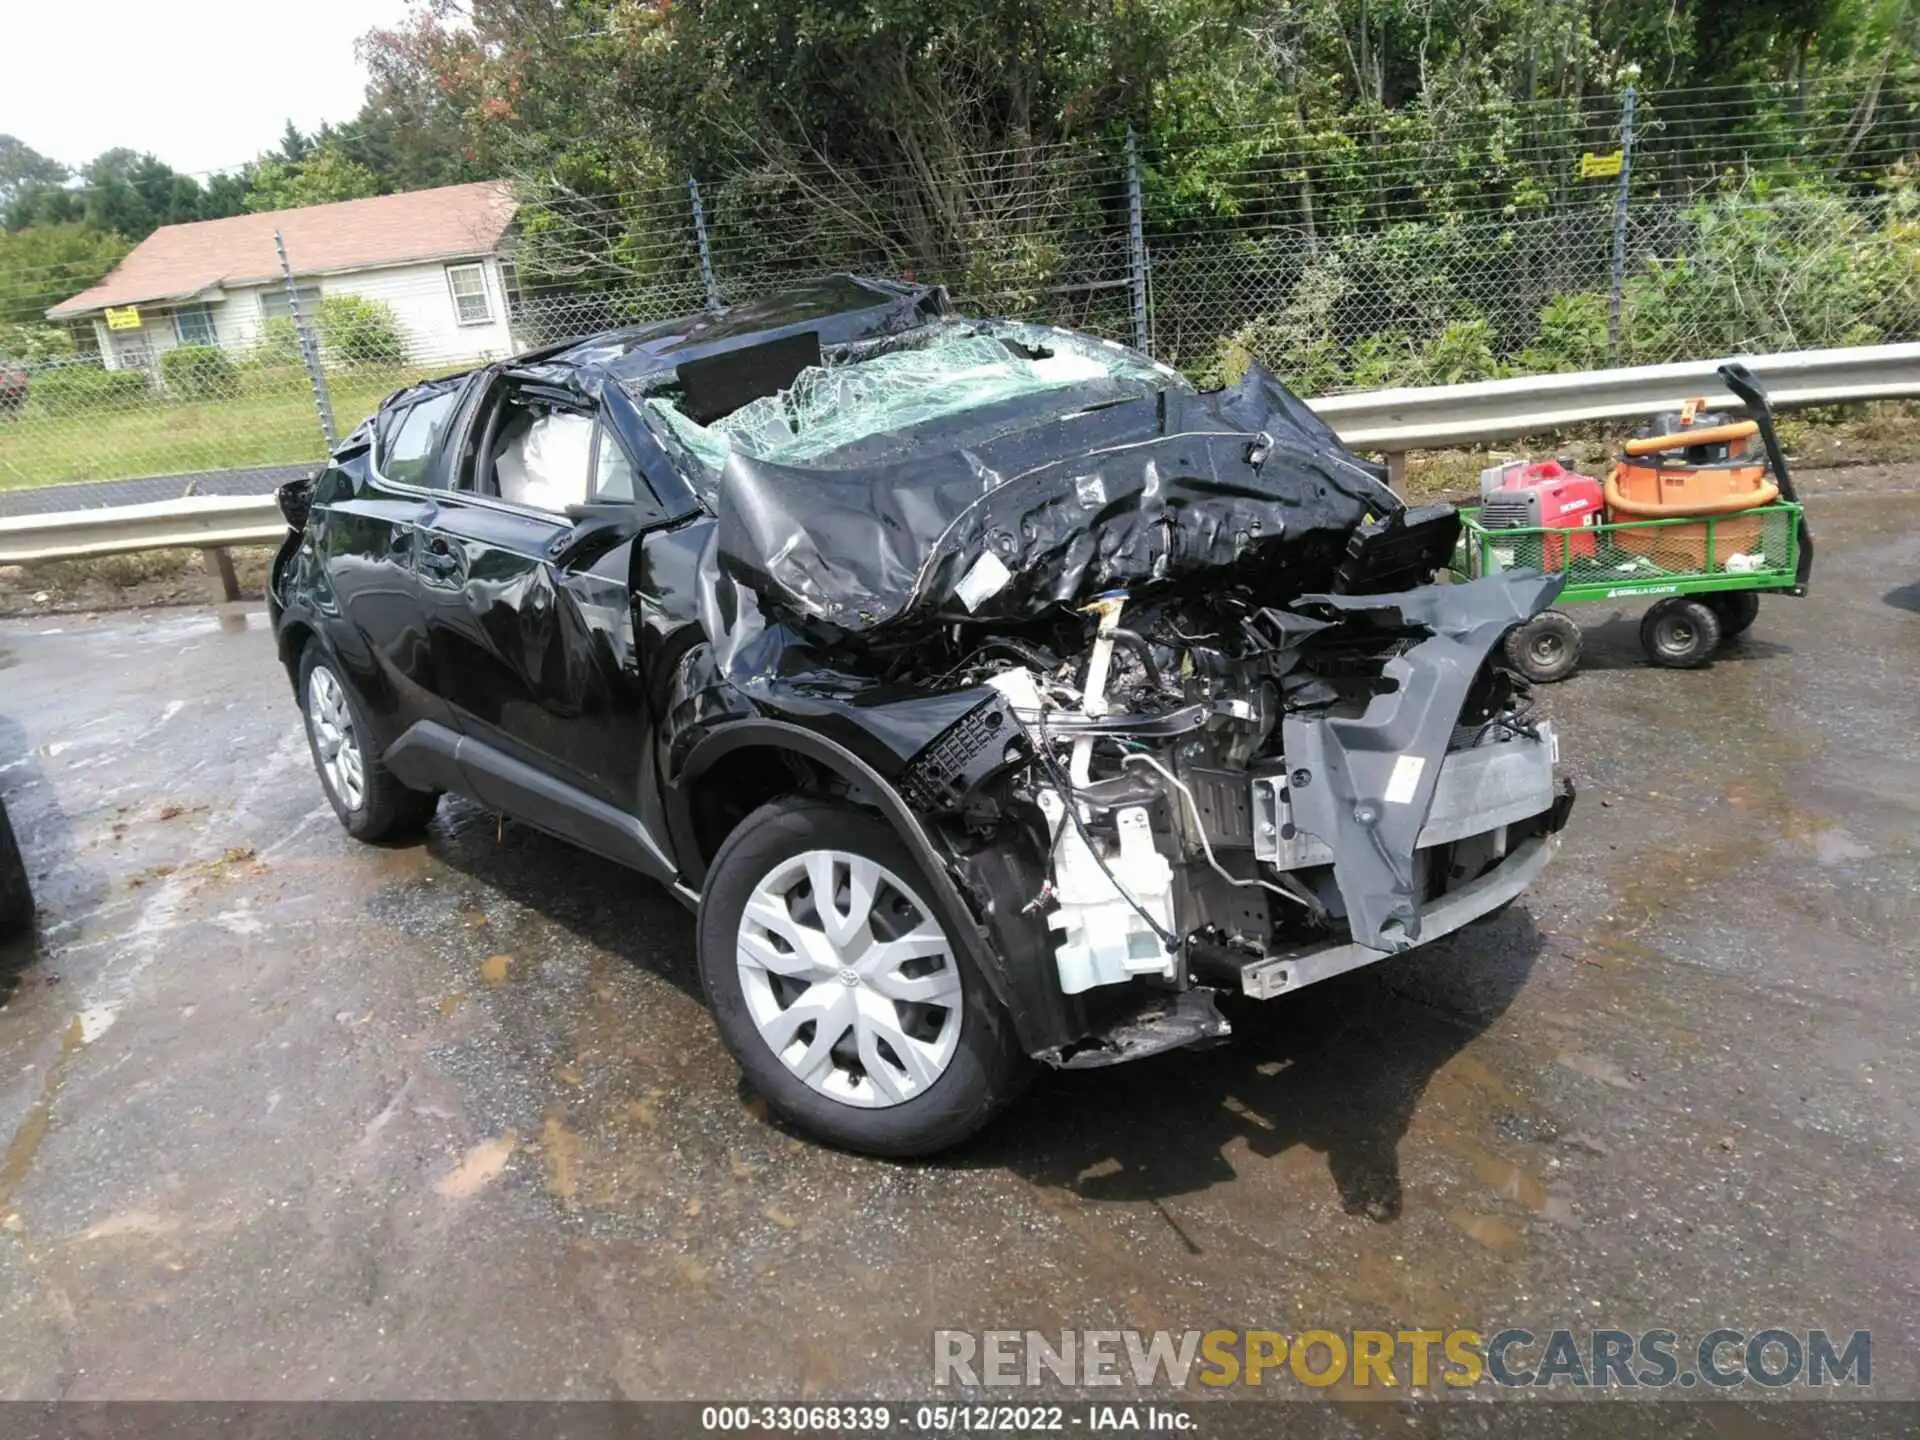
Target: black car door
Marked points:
524	579
364	538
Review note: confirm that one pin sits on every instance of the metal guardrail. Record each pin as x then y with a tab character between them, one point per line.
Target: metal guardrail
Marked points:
1389	421
196	522
1423	419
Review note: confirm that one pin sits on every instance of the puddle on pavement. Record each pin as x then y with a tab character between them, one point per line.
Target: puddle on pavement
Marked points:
1488	1231
24	1148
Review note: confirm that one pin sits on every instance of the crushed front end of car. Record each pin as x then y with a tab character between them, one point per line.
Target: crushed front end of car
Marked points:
1161	674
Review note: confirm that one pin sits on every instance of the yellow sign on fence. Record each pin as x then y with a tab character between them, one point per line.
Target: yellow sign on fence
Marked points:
1599	167
126	318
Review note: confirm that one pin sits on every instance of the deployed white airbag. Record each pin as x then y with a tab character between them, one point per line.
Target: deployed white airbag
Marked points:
549	466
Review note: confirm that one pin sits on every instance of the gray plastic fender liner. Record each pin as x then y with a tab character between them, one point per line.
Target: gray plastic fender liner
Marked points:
1363	785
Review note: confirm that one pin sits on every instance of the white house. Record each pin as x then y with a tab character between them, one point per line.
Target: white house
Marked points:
434	256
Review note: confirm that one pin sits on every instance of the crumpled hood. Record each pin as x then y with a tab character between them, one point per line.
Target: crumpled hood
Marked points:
1171	486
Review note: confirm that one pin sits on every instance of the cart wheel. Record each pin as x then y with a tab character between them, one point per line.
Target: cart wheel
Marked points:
1735	610
1546	648
1680	633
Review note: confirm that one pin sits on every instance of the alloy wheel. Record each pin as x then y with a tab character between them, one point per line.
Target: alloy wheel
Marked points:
335	741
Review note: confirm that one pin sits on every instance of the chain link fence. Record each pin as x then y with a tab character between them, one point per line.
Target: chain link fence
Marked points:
1386	250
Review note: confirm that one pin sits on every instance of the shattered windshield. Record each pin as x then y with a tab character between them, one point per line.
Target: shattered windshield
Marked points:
836	404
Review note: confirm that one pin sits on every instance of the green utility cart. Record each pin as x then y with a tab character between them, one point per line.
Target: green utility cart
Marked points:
1707	571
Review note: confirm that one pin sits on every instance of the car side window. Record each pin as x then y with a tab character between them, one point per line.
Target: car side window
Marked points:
407	456
612	471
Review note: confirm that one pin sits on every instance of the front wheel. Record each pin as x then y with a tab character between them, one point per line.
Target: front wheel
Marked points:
840	989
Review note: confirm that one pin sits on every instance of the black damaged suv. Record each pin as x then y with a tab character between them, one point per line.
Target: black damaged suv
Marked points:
991	693
16	899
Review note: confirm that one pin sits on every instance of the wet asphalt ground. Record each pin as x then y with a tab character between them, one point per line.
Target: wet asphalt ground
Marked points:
286	1116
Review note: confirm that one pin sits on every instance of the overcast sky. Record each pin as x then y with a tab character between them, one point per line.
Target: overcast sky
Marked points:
203	84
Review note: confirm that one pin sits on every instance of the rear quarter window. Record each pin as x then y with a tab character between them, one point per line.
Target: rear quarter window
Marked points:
411	436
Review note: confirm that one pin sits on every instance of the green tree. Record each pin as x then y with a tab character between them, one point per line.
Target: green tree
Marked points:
134	194
22	168
324	176
43	265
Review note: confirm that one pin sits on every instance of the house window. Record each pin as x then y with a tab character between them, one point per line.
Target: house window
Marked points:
274	304
194	324
469	286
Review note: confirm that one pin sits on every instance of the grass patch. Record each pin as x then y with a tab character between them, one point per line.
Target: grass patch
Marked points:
118	572
270	420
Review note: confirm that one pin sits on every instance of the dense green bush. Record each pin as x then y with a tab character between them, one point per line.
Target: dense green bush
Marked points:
1572	335
1460	354
1750	271
82	389
357	331
197	372
1382	361
1800	269
278	345
31	344
1300	343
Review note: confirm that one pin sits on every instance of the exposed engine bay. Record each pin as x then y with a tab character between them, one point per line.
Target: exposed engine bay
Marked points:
1220	795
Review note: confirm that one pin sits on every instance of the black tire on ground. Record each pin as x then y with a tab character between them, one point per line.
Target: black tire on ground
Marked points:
16	899
1546	648
1680	633
386	809
987	1068
1735	610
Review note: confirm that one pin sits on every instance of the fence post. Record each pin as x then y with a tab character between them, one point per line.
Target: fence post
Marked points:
1620	227
700	237
1136	250
309	348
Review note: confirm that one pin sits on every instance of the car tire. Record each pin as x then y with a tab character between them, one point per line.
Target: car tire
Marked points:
16	898
1679	633
1736	610
370	802
920	1053
1544	649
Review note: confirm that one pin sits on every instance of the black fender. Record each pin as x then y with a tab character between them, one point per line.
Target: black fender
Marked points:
1038	1025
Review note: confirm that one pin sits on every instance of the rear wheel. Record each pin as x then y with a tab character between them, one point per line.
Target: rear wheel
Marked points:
840	990
1680	633
370	802
1546	648
1735	610
16	900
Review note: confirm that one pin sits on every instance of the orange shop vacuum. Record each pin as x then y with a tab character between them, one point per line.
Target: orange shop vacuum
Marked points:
1690	464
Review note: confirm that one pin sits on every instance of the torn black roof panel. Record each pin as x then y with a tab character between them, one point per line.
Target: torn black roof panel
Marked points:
839	309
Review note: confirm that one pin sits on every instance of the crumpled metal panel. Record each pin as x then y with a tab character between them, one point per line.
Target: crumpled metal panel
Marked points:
1169	485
